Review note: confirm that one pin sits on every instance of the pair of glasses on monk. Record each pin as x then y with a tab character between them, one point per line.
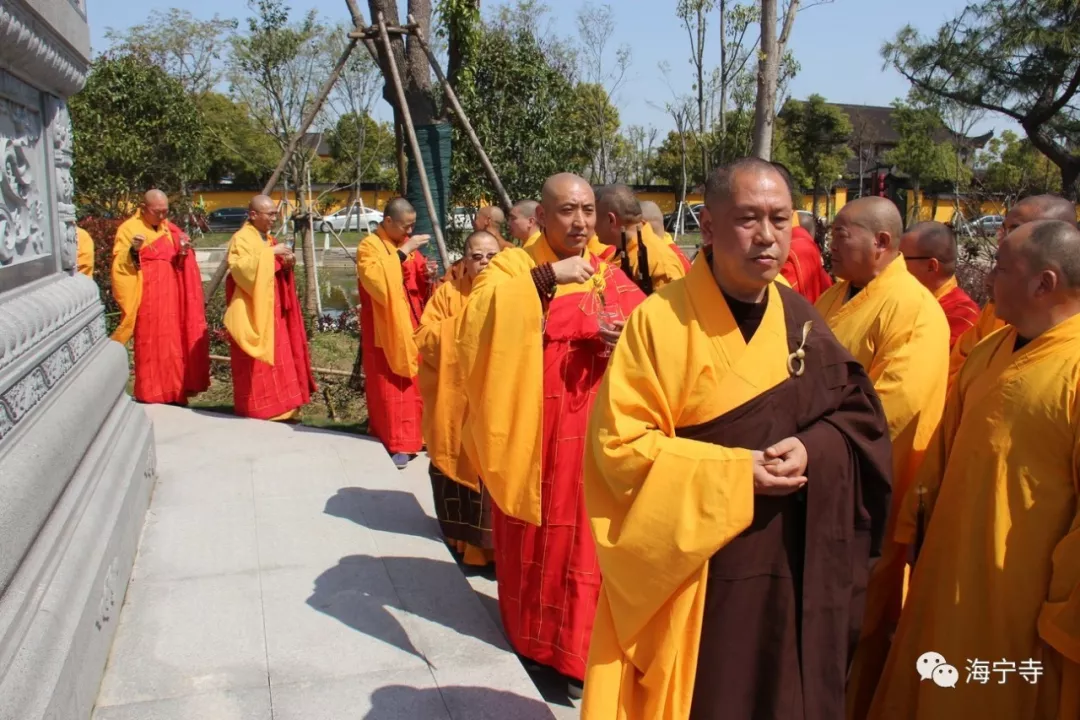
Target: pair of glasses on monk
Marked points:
477	257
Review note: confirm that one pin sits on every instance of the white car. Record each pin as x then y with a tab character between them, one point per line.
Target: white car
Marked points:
366	218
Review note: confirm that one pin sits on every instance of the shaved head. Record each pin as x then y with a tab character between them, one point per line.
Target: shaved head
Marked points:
567	213
618	199
523	220
155	196
155	207
865	239
652	214
929	250
718	186
399	209
494	212
479	239
1045	207
261	203
1037	276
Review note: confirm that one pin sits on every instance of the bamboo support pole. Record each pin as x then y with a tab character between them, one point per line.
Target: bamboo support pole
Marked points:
459	112
290	149
321	371
414	144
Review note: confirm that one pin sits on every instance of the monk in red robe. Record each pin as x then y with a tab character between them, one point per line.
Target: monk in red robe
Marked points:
395	284
533	344
268	346
929	249
803	268
157	284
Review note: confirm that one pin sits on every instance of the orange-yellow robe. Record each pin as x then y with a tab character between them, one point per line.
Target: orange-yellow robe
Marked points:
896	329
532	240
987	323
84	257
392	297
462	506
960	310
663	505
998	577
531	371
664	265
268	349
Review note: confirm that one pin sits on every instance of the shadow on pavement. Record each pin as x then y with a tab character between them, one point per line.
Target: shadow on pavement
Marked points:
392	511
460	703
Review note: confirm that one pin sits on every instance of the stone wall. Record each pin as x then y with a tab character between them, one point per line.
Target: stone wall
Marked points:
76	454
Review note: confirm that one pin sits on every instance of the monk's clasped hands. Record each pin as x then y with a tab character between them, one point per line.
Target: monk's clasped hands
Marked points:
781	468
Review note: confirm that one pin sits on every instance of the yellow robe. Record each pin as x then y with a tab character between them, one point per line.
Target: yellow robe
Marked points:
662	506
987	323
998	578
249	317
531	240
379	271
126	277
664	265
501	328
898	332
442	380
84	258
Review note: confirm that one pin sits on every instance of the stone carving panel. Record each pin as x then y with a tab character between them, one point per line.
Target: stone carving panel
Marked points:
23	206
28	45
63	151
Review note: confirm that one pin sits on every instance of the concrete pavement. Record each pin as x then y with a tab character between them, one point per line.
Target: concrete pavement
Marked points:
290	573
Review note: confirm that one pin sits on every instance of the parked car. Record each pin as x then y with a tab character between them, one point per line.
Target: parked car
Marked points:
226	219
988	224
367	218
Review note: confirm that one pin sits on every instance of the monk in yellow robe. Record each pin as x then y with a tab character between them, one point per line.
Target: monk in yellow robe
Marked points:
653	215
737	484
1037	207
534	341
897	330
929	249
523	224
995	592
268	348
462	506
84	254
640	254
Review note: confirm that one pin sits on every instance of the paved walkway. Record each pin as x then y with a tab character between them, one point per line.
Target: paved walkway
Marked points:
289	573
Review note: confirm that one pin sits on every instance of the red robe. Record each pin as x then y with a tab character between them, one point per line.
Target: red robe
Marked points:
960	310
264	391
395	407
172	346
548	577
803	269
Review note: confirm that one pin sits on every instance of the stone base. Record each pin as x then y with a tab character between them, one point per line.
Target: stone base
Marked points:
76	473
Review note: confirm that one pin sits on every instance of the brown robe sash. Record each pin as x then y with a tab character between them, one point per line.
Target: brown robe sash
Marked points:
784	599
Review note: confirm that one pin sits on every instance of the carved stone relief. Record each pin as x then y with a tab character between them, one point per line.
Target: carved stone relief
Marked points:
63	151
23	207
31	48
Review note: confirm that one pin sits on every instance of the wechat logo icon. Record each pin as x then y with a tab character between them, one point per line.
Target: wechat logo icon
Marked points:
933	666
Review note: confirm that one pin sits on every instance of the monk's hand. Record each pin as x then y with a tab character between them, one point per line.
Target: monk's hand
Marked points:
414	243
610	333
574	269
767	482
137	243
787	458
282	250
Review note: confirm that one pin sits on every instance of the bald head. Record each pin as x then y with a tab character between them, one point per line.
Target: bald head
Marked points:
155	207
1054	245
1041	207
1037	276
929	250
523	220
480	239
567	213
620	200
865	239
399	209
155	196
399	220
262	212
489	218
652	214
719	185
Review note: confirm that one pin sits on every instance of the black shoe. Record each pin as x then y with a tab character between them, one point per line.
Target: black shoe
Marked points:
575	689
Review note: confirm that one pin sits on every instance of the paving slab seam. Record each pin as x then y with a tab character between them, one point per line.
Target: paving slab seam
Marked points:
262	600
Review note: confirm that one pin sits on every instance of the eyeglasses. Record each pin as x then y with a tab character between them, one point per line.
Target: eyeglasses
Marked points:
477	257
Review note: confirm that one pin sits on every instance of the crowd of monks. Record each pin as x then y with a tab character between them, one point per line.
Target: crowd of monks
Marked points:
742	487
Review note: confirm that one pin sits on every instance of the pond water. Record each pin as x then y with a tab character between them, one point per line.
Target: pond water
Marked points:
337	288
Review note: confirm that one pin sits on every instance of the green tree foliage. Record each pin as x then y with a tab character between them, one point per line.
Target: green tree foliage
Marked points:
1018	58
363	151
236	147
812	141
188	49
593	110
919	155
134	128
1012	168
522	105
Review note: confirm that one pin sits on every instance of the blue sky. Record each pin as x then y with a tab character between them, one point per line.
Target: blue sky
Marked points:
838	45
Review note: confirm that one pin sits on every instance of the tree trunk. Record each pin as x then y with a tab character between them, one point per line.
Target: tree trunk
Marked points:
402	159
768	71
311	284
701	91
817	197
723	82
